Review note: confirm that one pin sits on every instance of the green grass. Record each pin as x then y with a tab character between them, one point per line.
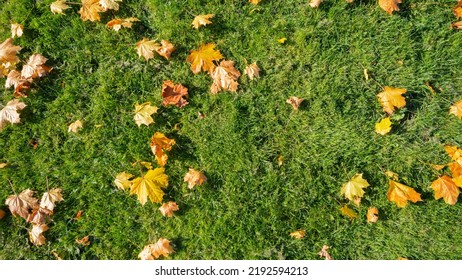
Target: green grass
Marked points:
249	205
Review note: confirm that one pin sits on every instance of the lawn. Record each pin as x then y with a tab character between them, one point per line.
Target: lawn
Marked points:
250	203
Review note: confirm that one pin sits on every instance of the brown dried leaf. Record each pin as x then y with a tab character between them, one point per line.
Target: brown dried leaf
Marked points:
194	178
36	234
84	241
50	198
9	113
324	254
252	70
35	67
173	94
153	251
118	23
457	25
109	4
16	30
168	208
78	215
8	52
90	10
39	216
225	77
372	215
295	102
2	214
166	49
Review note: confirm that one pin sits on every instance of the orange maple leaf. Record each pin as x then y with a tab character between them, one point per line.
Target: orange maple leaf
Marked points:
400	194
159	144
202	20
389	6
166	49
203	58
372	215
194	177
457	10
173	94
392	98
90	10
445	188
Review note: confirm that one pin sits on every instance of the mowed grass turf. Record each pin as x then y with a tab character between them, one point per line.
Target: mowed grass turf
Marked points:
250	204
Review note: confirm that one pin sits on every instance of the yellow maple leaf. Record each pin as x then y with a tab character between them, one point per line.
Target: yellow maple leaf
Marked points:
400	194
225	77
202	20
203	58
8	52
255	2
75	126
143	113
194	177
383	127
122	180
118	23
353	189
298	234
446	188
348	212
372	215
168	208
150	185
16	30
456	109
159	145
252	70
315	3
392	97
58	7
90	10
145	48
389	5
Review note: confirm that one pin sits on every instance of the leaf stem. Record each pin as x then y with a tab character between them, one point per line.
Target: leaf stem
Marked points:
11	185
141	170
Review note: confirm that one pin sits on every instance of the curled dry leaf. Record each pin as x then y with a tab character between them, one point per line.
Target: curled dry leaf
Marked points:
252	70
298	234
389	6
445	188
203	58
372	215
353	189
35	67
457	25
173	94
324	254
202	20
315	3
117	23
122	180
145	48
159	145
109	4
90	10
194	178
39	216
9	113
150	185
58	7
153	251
36	234
16	30
143	113
75	126
168	208
50	198
348	212
456	109
280	160
21	204
84	241
8	52
383	127
400	194
295	102
391	98
225	77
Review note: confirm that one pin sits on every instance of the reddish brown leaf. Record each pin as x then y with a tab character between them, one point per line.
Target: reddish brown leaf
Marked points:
173	94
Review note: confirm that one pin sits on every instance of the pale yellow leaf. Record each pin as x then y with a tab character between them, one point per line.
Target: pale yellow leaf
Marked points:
298	234
145	48
109	4
315	3
16	30
252	70
383	127
75	126
8	52
202	20
354	188
324	254
9	113
143	113
36	234
295	102
50	198
58	7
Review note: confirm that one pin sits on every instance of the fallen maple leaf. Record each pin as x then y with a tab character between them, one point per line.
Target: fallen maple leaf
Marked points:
143	113
166	49
457	25
84	241
36	234
75	126
153	251
173	94
21	204
456	109
457	10
150	185
58	7
168	208
295	102
383	127
118	23
109	4
204	58
39	216
391	98
225	77
400	194
13	79
445	188
372	215
348	212
252	70
145	48
9	113
202	20
389	5
35	67
90	10
159	144
8	52
455	168
16	30
194	178
122	180
315	3
298	234
50	198
324	254
353	189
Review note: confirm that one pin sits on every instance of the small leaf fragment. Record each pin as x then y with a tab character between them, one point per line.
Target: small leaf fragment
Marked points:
456	109
202	20
255	2
2	214
282	40
315	3
75	126
16	30
324	254
154	251
348	212
109	4
36	234
168	208
383	127
117	23
372	215
122	180
166	49
252	70
159	145
295	102
84	241
298	234
194	178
